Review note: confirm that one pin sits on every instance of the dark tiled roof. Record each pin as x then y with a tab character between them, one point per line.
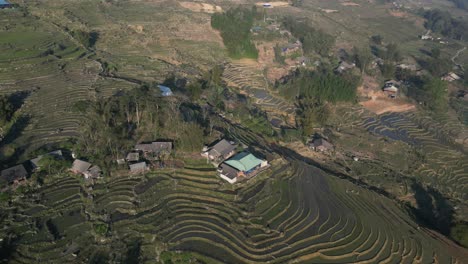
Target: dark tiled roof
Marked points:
229	171
14	173
222	148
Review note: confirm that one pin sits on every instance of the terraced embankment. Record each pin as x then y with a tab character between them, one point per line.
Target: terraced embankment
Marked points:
247	77
295	213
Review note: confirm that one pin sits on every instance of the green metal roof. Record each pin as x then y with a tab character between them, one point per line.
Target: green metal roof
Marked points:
244	161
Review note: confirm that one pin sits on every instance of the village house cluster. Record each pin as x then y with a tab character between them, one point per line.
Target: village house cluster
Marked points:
18	174
232	165
139	160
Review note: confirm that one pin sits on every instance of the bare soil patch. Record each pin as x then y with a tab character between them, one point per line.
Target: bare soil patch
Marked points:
350	4
379	102
201	7
398	14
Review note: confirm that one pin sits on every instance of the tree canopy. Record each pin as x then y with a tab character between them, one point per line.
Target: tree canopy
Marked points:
442	22
235	25
313	40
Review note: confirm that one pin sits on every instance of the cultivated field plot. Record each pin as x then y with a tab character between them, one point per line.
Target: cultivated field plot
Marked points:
297	214
443	165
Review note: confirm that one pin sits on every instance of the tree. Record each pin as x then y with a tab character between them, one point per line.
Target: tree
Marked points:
6	110
392	53
235	25
53	165
279	58
436	94
377	39
388	70
363	58
435	53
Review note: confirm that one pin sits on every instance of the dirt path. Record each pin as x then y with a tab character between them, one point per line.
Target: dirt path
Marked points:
456	56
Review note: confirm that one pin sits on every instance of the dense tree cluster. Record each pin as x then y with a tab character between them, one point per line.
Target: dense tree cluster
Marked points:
432	92
442	22
114	125
315	91
6	110
313	40
235	25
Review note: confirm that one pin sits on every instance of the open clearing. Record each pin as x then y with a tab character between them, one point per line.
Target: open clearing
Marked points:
201	7
380	106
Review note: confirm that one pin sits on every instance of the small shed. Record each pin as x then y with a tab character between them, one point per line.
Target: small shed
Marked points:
228	173
165	91
321	145
93	173
80	166
450	77
138	167
133	157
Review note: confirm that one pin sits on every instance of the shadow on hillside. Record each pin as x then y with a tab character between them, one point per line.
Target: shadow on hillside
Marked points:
15	131
17	99
433	210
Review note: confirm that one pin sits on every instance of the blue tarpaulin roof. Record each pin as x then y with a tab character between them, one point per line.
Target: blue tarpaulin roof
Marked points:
166	91
3	2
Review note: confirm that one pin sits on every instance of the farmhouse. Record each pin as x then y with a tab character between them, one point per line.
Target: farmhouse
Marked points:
138	167
154	149
450	77
291	48
321	145
391	88
14	174
165	91
220	151
241	165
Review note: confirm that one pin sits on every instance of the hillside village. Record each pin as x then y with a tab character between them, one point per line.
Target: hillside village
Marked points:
233	132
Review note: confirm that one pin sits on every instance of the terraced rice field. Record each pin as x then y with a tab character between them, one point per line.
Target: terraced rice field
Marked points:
297	214
446	163
250	81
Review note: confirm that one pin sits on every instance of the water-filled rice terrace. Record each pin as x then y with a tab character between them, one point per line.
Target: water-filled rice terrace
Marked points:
296	214
446	165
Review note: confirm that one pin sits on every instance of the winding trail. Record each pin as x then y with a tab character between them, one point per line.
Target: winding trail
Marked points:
456	56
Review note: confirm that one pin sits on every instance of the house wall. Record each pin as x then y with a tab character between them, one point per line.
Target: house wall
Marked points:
224	177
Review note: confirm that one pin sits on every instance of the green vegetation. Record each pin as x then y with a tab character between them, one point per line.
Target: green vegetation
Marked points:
235	25
460	233
6	110
87	39
313	40
113	125
442	22
432	92
314	91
